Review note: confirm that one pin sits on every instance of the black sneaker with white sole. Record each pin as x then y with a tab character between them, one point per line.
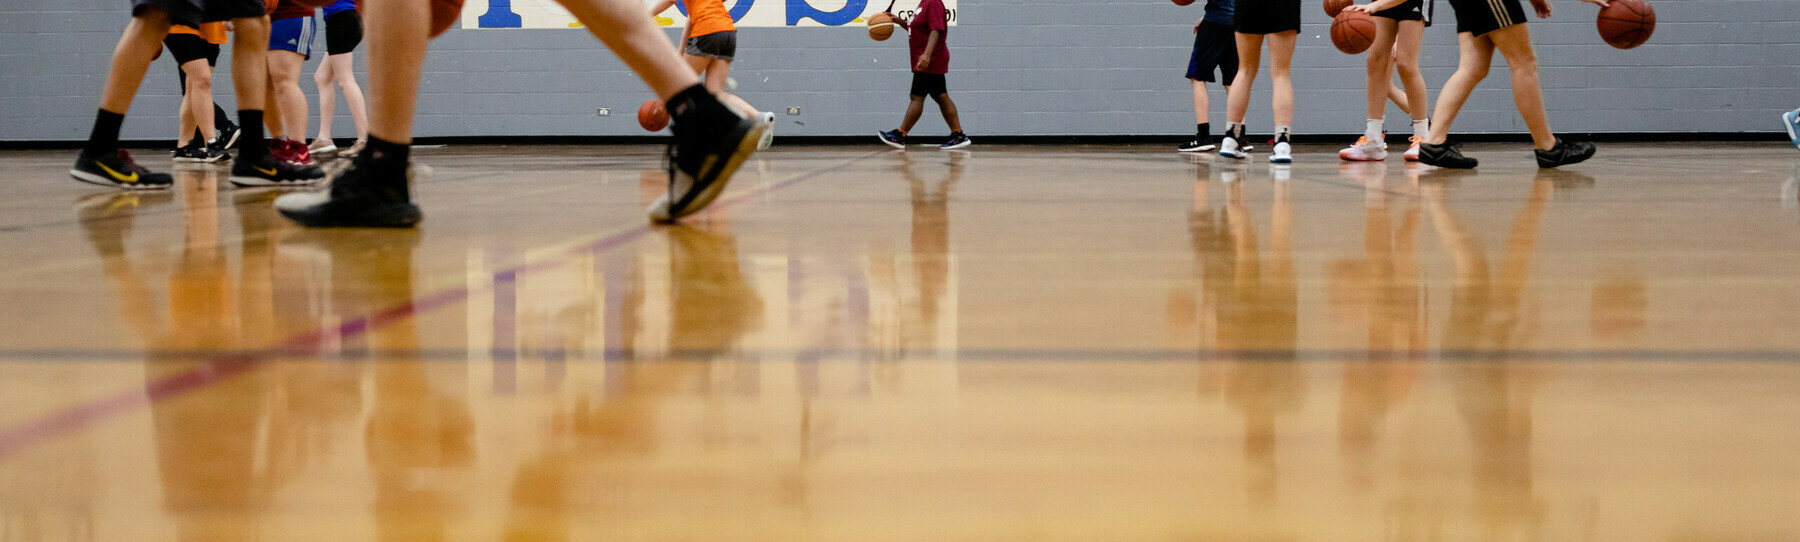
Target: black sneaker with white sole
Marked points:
1197	145
710	143
1447	155
270	171
1564	153
118	170
359	197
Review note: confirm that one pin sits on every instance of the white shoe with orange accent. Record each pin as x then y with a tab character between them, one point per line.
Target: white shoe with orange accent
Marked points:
1364	151
1412	153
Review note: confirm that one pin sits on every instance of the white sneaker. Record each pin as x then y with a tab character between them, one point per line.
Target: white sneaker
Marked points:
1364	151
768	137
1284	154
1412	152
1228	147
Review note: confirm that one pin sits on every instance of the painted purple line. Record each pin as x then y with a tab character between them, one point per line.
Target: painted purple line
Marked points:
78	417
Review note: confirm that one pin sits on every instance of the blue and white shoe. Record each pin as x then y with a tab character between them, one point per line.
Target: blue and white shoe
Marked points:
1284	154
1791	120
957	140
893	138
1230	148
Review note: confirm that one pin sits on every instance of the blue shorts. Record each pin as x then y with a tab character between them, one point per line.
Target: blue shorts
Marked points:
294	34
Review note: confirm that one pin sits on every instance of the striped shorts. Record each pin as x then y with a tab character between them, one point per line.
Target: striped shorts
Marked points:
1480	17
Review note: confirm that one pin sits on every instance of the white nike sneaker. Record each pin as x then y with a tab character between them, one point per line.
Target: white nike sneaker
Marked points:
1284	154
1364	151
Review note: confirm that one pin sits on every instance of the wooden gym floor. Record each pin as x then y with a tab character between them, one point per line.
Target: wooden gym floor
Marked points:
1007	343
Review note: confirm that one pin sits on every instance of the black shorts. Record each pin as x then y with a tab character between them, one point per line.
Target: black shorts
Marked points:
929	84
1215	46
719	45
188	48
343	32
1480	17
1267	16
193	12
1410	10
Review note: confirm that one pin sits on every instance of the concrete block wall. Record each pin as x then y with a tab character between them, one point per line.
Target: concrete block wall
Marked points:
1019	67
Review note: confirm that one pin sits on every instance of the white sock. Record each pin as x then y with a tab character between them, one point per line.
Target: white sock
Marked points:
1422	128
1372	130
1231	129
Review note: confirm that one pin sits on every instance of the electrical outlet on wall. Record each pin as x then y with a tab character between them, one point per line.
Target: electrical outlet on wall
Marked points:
793	110
604	111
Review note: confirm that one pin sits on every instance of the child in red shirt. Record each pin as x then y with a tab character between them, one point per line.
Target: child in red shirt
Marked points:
928	32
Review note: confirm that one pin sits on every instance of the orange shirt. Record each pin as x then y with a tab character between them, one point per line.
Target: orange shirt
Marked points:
213	33
707	17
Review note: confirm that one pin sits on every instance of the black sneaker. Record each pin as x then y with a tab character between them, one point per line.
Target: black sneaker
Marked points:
710	143
1197	145
269	171
118	170
1448	155
213	154
227	136
1564	153
194	152
357	199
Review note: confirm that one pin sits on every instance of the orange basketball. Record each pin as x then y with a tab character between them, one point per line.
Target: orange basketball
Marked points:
1626	23
652	116
1184	2
881	26
1333	7
443	14
1352	32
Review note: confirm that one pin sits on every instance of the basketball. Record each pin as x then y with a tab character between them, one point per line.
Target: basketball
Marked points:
1352	32
881	26
1626	23
652	116
443	13
1333	7
1184	2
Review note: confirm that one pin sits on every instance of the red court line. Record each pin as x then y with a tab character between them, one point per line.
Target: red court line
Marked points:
18	438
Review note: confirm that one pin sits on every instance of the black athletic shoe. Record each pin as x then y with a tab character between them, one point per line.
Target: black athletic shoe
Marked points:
1564	153
710	143
269	171
118	170
227	136
1448	155
1197	145
194	152
356	200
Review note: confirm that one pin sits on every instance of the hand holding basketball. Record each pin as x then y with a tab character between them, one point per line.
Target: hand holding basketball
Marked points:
881	26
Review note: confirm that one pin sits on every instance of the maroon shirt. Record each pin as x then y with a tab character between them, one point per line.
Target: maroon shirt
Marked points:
289	9
930	16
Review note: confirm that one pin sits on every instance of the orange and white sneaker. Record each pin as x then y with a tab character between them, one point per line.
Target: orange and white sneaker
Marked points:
1364	151
1412	152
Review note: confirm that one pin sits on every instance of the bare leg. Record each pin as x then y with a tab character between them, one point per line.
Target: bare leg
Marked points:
131	58
1409	35
249	64
272	113
1202	106
948	108
1379	67
1514	43
322	79
717	71
914	109
343	69
1281	46
1237	99
198	100
396	54
284	68
1477	54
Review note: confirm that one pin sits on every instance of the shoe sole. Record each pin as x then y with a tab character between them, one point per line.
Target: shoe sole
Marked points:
391	216
103	181
1234	155
956	146
1207	148
1277	160
234	138
890	143
1787	121
1354	159
746	146
259	182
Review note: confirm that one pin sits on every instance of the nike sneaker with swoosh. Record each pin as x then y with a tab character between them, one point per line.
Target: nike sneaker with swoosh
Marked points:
271	171
118	170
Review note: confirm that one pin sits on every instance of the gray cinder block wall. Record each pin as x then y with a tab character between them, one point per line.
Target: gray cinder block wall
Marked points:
1019	67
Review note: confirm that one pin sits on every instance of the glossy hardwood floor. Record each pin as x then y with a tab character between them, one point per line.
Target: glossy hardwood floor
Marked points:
1007	343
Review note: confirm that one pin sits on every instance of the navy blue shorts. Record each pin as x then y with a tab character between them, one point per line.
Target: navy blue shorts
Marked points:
1215	47
294	34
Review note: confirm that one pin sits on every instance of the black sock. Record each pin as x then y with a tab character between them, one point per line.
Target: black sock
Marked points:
199	138
1203	129
701	111
105	137
251	146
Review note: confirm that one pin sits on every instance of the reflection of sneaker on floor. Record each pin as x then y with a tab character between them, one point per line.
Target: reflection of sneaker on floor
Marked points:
1448	155
1197	145
893	138
1364	151
710	143
107	205
1412	151
1791	121
768	137
957	140
356	199
272	171
1564	153
118	170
